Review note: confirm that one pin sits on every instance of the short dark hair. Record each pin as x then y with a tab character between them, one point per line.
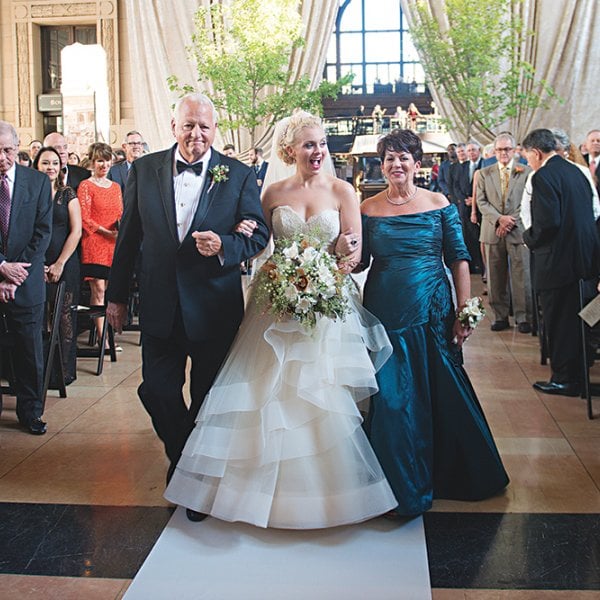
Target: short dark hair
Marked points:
540	139
258	150
401	140
229	147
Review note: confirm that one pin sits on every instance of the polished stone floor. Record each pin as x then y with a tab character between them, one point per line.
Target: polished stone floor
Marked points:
81	507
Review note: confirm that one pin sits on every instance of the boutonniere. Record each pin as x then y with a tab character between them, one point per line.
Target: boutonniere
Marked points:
219	173
517	170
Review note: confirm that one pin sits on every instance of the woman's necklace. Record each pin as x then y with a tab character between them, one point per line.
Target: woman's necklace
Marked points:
406	200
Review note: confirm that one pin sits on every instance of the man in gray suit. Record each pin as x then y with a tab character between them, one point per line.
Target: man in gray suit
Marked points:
499	192
25	227
134	148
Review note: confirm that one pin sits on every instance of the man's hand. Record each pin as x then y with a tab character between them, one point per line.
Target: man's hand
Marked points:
505	225
246	226
7	291
469	200
116	313
14	272
208	243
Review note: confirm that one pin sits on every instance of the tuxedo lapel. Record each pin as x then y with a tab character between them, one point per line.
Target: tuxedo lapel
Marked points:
208	194
167	194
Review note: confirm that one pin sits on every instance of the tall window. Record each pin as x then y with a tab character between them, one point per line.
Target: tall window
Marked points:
54	39
371	40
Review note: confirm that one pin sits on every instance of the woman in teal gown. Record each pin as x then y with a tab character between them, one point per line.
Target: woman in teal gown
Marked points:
425	424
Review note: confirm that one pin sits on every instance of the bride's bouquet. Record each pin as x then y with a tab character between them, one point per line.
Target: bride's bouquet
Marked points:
301	280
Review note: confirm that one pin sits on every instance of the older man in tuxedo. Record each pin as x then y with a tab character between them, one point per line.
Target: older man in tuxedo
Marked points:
499	191
133	146
25	228
185	203
74	173
566	248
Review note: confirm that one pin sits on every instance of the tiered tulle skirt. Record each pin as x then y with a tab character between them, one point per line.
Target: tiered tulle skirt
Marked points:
278	441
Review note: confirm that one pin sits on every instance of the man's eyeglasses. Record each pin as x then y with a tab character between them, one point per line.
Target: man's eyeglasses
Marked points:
135	143
504	149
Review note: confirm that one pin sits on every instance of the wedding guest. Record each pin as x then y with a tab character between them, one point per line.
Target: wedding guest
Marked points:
499	192
62	262
184	202
229	150
74	174
565	246
25	204
23	159
279	442
73	159
34	147
101	210
425	423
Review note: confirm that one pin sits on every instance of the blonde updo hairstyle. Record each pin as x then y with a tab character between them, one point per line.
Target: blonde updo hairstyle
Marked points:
297	122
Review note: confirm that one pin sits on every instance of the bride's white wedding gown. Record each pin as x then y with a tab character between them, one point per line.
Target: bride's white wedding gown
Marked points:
278	441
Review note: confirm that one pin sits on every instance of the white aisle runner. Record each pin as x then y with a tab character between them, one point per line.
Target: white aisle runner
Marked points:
214	560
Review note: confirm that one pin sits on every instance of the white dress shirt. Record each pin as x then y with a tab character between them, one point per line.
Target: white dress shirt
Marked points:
188	186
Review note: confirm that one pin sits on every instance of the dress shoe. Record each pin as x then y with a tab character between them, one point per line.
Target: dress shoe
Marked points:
524	327
36	427
557	389
194	515
499	325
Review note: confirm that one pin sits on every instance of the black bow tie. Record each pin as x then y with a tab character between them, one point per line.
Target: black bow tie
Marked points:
182	166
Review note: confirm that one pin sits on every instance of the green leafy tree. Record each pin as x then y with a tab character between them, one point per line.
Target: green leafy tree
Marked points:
242	51
475	63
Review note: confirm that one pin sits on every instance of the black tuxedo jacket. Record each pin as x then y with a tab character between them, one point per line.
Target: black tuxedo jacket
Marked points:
261	173
29	232
174	273
464	186
118	173
563	233
75	175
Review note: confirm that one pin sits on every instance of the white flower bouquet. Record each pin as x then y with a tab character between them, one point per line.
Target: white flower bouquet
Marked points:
471	312
301	280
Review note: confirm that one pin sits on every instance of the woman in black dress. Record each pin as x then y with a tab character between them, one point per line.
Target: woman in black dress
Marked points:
62	261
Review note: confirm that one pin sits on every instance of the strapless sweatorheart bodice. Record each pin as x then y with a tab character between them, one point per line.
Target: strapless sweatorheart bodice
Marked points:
324	225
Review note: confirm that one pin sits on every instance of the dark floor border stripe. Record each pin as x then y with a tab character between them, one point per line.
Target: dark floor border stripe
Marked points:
514	551
466	550
78	541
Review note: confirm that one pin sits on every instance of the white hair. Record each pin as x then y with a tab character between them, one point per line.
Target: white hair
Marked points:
198	98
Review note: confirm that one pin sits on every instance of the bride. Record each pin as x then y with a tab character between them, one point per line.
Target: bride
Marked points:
278	441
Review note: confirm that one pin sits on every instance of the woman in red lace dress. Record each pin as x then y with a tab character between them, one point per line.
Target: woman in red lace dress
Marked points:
101	209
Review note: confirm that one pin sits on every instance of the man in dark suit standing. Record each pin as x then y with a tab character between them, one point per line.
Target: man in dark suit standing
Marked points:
259	164
25	228
463	189
74	174
133	146
566	248
592	143
185	203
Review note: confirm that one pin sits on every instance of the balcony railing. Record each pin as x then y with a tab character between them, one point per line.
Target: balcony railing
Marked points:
369	126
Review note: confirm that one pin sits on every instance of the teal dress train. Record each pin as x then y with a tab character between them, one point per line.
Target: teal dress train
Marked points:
425	424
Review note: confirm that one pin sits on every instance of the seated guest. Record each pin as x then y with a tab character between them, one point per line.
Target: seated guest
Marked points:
62	261
22	288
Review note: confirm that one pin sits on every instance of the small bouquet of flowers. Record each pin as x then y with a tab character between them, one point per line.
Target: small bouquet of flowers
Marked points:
301	280
471	313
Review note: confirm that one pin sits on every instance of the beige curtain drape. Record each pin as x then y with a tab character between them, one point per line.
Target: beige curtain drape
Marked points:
564	52
158	32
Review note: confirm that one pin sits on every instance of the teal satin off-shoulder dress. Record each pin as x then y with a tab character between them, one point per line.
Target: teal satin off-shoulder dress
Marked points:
425	424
